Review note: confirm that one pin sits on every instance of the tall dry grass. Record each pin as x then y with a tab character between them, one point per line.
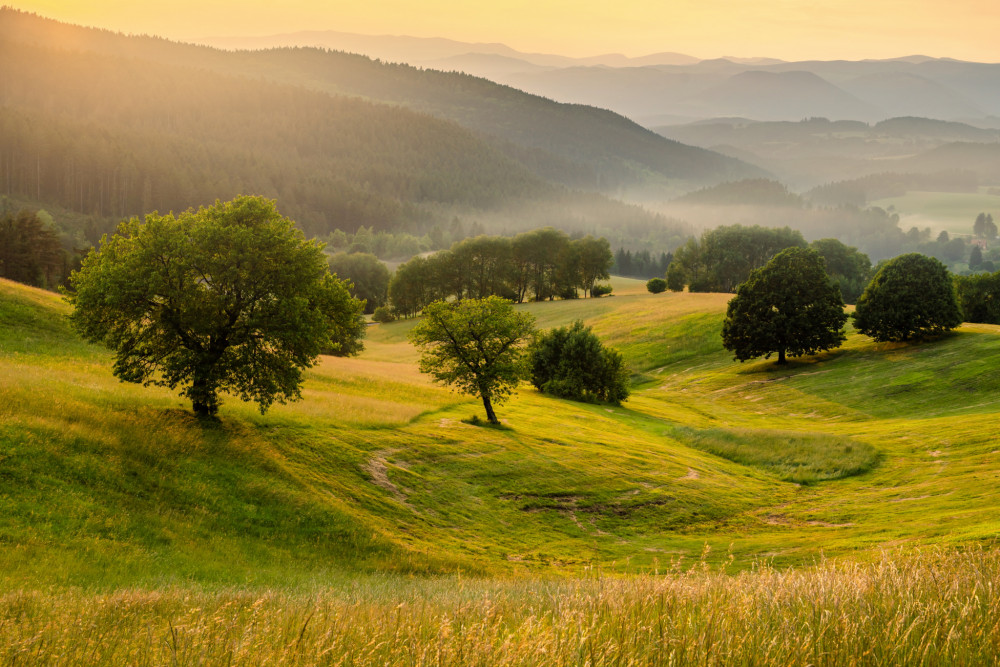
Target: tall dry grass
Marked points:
921	608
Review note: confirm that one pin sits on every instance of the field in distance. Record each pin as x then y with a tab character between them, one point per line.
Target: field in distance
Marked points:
953	212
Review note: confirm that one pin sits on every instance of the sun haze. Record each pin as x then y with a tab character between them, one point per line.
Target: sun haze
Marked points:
788	29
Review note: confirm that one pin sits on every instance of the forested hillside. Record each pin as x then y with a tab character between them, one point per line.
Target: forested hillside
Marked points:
149	86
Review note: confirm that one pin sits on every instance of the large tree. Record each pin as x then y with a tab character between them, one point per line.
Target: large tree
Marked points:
911	296
476	345
226	298
789	307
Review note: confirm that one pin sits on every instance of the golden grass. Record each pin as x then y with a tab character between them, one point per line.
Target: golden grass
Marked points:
935	607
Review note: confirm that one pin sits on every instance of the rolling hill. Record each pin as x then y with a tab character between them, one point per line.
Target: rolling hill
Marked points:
114	484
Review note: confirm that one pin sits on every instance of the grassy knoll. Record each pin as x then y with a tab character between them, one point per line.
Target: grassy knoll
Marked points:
954	212
111	484
263	535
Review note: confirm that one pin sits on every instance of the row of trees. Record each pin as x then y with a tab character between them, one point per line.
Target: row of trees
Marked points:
537	265
725	256
641	264
791	307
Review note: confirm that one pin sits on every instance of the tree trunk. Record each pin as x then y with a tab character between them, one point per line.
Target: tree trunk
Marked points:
491	416
203	394
781	356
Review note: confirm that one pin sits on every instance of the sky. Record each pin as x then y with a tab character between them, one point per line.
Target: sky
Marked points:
786	29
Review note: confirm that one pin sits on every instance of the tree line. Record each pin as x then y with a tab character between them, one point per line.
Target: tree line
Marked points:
31	251
538	265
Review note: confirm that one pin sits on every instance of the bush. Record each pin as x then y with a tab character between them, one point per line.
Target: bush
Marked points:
571	362
384	314
600	290
910	297
979	297
656	285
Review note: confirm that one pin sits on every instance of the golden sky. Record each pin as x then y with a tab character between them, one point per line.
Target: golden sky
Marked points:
788	29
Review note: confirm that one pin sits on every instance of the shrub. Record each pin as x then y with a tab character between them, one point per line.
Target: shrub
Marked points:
571	362
384	314
656	285
600	290
910	297
979	297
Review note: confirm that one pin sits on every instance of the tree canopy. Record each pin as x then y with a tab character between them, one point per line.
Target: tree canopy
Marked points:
475	345
846	265
571	362
789	307
226	298
910	297
725	256
369	277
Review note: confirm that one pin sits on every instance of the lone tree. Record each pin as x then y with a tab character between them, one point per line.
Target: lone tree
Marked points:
911	296
571	362
226	298
476	345
789	307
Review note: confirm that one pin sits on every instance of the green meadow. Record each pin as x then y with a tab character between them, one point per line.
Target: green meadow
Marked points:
954	212
840	508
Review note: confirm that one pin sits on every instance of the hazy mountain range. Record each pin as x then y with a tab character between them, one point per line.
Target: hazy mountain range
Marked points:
670	87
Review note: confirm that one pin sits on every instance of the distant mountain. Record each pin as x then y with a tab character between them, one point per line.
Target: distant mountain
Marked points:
779	95
668	86
907	94
424	51
572	145
818	151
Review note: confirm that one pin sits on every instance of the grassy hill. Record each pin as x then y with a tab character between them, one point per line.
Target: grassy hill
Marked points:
112	484
132	534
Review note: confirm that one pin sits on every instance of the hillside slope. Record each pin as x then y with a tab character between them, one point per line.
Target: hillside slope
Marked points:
112	484
569	144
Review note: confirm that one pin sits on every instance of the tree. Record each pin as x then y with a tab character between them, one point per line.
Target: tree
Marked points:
476	345
979	297
571	362
226	298
595	261
848	267
911	296
30	250
656	285
789	307
975	257
979	226
368	276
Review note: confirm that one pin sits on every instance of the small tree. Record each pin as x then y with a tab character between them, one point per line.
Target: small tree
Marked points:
476	345
789	307
571	362
975	257
656	285
230	297
911	296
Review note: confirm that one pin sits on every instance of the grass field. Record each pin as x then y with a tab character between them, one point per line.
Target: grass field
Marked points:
131	532
954	212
